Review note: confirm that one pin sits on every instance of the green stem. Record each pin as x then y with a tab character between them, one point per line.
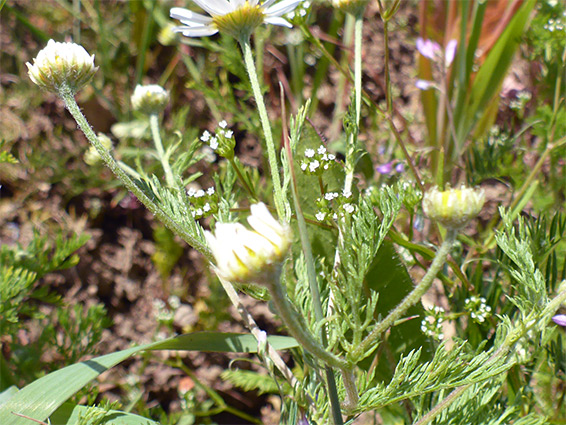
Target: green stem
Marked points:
271	154
68	97
154	125
410	300
315	294
244	182
358	31
388	97
352	138
298	329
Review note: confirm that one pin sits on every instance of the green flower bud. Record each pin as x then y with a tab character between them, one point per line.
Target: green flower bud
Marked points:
354	7
150	99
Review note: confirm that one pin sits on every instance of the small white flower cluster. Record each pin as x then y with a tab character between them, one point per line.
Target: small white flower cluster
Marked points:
162	313
334	204
204	203
316	162
478	309
521	99
222	142
300	12
555	24
497	136
431	325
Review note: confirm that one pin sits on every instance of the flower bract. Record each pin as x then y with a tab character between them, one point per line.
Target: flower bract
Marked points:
453	208
150	99
244	255
61	64
237	18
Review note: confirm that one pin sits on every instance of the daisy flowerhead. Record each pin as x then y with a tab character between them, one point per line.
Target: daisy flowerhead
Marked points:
238	18
244	255
61	64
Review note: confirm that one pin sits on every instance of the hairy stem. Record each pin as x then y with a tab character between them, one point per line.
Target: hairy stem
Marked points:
298	329
68	97
164	159
270	144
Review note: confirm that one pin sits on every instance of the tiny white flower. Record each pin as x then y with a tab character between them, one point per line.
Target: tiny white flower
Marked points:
304	166
222	124
199	193
210	191
321	150
199	212
313	166
213	143
349	208
205	136
237	18
61	64
329	196
320	215
191	192
309	153
331	157
229	134
206	207
346	193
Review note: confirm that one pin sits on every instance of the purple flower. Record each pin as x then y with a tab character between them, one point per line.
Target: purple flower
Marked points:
560	319
400	167
428	48
385	168
450	52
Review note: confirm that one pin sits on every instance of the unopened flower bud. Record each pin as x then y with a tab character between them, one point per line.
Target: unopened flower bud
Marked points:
453	208
92	156
150	99
354	7
61	64
244	255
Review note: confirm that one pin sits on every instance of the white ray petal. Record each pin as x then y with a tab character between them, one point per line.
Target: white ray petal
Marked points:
276	20
189	17
215	7
282	7
202	31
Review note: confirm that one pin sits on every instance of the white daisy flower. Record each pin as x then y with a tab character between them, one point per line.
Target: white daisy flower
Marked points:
243	255
61	64
237	18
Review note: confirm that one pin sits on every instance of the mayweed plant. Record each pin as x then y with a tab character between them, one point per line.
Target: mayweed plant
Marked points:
343	246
